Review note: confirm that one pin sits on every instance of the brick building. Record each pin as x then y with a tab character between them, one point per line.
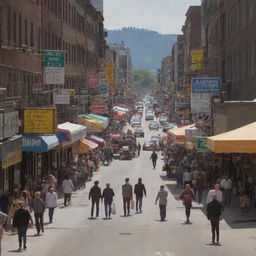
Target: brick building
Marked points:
230	45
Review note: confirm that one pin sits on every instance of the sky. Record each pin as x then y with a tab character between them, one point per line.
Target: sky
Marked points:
163	16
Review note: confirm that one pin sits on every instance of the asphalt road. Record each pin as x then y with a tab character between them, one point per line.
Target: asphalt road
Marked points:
73	234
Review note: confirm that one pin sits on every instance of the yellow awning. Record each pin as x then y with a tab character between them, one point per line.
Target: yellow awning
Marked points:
84	145
241	140
179	133
91	124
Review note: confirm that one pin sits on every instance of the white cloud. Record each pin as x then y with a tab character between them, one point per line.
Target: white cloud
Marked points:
164	16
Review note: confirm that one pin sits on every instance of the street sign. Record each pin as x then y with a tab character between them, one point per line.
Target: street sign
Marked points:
206	85
54	67
61	96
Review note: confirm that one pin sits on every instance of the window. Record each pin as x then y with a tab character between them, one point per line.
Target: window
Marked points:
31	34
9	25
20	30
26	32
14	28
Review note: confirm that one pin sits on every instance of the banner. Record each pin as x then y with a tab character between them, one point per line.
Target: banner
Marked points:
110	73
54	67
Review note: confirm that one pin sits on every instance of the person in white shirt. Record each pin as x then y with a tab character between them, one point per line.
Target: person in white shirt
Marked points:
216	191
226	185
51	202
187	177
67	188
162	197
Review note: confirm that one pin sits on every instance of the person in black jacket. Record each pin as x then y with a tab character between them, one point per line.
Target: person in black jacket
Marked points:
107	195
95	195
214	209
21	221
4	202
139	189
154	157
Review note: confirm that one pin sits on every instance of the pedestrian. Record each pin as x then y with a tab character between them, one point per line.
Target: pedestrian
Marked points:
154	157
179	176
216	191
139	190
21	220
187	177
162	197
3	220
4	202
226	185
127	196
187	197
95	195
51	202
14	207
67	188
214	209
38	205
26	198
138	149
200	185
107	195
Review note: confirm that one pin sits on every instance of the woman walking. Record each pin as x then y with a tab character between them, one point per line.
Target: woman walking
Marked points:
187	197
51	202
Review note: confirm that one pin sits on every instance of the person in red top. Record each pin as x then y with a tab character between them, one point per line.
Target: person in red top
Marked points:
187	197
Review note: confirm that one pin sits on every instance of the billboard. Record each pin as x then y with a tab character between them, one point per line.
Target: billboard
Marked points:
206	85
39	121
54	67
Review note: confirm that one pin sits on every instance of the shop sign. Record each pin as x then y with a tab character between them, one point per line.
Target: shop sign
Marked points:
110	73
92	80
61	96
9	124
196	66
12	158
197	56
54	67
39	121
200	103
201	143
206	85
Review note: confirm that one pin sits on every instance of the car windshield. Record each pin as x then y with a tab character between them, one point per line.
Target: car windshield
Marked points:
138	129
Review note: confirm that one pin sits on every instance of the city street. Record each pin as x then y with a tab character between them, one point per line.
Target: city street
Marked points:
72	233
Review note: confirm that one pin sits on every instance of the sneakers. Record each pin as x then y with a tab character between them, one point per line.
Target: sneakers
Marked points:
25	247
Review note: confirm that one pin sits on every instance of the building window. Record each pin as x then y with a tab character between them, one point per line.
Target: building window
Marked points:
31	34
14	28
20	30
9	25
26	32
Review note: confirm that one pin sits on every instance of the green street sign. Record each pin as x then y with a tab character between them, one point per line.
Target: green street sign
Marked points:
201	143
54	59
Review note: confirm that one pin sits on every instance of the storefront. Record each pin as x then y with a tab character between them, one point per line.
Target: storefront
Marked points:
39	158
11	158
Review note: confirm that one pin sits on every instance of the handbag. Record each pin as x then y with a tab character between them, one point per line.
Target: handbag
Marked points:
113	209
132	204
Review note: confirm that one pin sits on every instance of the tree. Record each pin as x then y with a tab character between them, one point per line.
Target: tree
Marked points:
144	79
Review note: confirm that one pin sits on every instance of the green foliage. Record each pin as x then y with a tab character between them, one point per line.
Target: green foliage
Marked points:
144	79
147	47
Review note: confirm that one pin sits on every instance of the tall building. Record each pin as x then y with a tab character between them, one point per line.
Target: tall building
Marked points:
98	4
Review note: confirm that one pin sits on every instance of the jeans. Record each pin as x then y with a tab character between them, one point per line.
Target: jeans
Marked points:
154	163
162	208
227	196
39	219
215	222
22	235
94	201
126	202
107	208
51	212
200	193
67	198
138	203
187	210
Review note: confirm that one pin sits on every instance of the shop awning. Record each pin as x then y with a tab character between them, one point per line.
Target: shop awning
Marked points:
115	136
91	124
70	132
119	116
96	139
84	145
179	133
121	109
39	143
241	140
102	119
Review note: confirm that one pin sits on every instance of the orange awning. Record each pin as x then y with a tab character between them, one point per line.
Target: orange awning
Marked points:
84	145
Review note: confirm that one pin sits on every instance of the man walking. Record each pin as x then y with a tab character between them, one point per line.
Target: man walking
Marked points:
127	196
21	221
162	197
95	195
226	185
213	214
139	190
138	149
38	205
51	202
154	157
107	195
67	188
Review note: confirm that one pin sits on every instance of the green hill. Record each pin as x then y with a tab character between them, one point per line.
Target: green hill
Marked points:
147	47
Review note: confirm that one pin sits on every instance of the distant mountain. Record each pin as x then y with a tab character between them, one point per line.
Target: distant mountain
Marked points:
147	47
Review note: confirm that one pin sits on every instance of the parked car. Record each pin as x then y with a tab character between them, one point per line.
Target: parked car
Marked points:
139	131
149	115
153	125
151	145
